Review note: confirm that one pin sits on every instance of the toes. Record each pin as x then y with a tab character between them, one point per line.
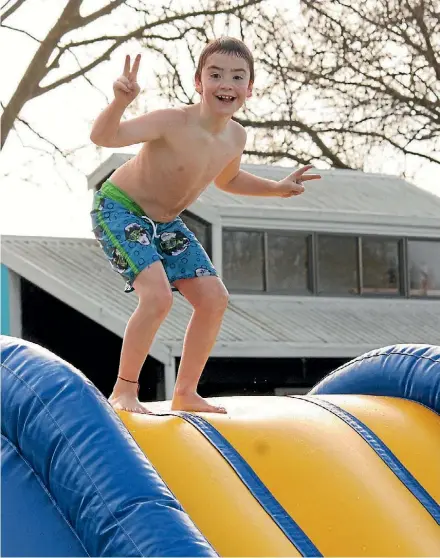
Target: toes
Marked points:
141	410
221	410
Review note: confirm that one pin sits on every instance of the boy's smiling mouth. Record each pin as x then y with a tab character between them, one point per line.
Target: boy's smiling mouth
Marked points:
225	98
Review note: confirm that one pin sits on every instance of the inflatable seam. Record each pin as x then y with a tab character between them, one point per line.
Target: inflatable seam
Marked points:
292	530
74	453
48	494
384	453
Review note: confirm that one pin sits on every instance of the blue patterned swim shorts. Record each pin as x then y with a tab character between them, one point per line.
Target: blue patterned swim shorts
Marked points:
132	241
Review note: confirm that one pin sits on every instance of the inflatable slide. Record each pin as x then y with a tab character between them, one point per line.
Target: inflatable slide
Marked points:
350	469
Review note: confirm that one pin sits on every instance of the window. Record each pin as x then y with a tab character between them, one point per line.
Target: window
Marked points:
243	260
424	267
200	228
380	266
287	262
337	265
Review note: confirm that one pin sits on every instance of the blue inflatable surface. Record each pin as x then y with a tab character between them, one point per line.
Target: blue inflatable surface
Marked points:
45	532
407	371
74	482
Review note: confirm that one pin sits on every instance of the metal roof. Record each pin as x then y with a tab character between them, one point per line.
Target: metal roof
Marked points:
339	193
76	272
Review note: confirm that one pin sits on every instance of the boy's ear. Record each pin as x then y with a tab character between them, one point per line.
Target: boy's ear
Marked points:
249	91
198	85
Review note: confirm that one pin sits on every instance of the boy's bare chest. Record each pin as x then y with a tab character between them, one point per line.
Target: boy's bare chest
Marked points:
200	158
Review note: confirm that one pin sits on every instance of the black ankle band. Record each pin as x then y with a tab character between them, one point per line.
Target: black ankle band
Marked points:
131	381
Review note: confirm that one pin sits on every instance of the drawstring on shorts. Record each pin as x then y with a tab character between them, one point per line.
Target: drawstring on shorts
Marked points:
153	224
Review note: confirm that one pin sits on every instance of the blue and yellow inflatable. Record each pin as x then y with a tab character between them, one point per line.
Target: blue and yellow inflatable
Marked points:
351	469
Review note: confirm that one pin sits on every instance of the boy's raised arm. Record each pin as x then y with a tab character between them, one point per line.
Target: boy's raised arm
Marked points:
109	131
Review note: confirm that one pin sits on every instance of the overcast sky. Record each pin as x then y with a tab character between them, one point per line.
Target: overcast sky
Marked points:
39	197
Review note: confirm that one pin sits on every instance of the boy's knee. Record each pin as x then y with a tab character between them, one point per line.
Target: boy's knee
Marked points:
214	300
156	301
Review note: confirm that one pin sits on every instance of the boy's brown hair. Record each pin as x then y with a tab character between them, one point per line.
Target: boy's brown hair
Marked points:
226	45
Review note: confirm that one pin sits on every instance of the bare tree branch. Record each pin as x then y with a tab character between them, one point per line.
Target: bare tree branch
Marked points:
105	10
344	80
371	85
137	34
70	20
12	9
21	31
55	147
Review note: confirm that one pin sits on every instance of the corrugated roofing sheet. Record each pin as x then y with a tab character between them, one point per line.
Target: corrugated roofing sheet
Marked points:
338	191
76	271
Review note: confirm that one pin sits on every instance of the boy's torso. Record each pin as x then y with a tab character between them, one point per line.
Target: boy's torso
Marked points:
169	174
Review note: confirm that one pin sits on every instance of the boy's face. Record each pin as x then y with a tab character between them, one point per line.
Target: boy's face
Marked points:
224	83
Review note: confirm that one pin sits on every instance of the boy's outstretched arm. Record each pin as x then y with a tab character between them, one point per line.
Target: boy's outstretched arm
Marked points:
237	181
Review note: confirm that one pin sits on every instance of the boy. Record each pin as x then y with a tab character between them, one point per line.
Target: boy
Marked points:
136	212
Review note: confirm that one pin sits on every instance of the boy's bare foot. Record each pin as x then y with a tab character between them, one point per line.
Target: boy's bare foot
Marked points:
193	402
128	402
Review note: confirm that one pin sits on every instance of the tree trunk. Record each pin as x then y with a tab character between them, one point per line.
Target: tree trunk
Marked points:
36	71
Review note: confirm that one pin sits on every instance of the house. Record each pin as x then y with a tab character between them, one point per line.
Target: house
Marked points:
351	265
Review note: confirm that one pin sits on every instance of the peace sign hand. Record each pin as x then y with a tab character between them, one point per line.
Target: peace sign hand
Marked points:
126	87
292	185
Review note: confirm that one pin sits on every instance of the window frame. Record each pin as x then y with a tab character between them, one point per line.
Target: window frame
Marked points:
400	291
263	269
355	236
309	239
408	294
205	223
297	292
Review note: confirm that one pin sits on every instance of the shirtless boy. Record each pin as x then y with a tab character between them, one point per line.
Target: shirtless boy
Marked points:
136	212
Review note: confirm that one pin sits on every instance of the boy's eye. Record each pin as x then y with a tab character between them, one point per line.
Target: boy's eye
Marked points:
238	77
215	75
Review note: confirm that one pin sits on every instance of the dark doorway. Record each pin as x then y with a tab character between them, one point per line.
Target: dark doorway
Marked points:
263	376
82	342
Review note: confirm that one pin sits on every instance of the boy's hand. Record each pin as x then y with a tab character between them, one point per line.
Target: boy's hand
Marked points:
126	87
292	185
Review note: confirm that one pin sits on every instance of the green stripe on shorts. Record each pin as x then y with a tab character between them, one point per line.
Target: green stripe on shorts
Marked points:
116	242
109	190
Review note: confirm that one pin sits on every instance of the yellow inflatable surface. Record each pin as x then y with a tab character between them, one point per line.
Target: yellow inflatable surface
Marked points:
334	475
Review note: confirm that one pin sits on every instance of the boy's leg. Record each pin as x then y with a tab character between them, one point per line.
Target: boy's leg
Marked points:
155	301
209	298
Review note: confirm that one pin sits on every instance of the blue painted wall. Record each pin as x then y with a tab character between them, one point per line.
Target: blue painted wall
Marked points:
5	309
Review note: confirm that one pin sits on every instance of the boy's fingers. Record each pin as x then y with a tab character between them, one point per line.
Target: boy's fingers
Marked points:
298	174
134	70
304	169
127	82
301	171
123	84
119	85
126	71
310	177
